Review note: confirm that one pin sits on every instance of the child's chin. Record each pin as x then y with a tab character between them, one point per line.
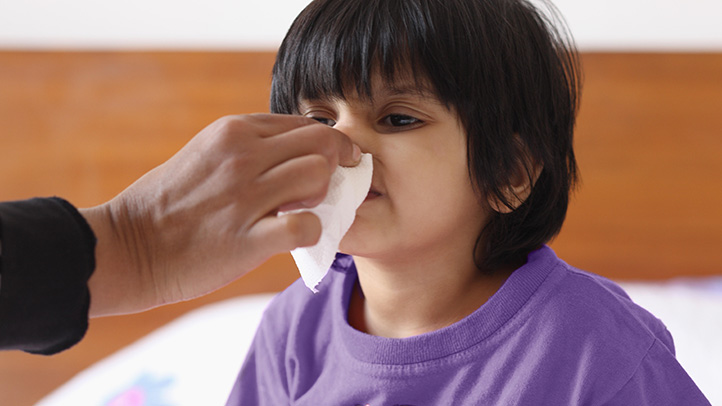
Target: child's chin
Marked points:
351	243
359	240
347	247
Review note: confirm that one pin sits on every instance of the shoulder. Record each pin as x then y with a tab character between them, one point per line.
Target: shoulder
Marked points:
297	311
575	308
556	296
601	306
289	306
659	380
590	331
581	300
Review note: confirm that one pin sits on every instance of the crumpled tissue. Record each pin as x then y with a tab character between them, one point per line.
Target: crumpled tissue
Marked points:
347	190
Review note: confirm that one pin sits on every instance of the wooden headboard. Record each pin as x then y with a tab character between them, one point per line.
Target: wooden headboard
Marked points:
85	125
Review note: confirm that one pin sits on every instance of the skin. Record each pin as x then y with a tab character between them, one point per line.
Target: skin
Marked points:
413	238
207	216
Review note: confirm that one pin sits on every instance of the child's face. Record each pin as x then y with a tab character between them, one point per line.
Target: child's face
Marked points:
421	201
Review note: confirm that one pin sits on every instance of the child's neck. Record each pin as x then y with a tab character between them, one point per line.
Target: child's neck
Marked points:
395	302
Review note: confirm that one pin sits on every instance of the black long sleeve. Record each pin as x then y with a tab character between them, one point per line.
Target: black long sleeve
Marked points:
47	257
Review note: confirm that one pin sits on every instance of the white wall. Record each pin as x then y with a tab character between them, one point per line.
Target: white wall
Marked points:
244	24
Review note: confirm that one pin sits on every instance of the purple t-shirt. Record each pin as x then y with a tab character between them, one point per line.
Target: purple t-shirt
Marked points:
552	335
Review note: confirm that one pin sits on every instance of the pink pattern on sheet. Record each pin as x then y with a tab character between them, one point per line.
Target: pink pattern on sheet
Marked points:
145	391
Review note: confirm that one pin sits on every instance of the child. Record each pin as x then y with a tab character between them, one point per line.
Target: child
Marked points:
450	296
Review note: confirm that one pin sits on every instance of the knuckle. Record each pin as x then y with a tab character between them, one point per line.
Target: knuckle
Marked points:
227	123
222	132
236	124
232	139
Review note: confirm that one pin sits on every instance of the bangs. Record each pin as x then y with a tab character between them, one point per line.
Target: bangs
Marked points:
337	48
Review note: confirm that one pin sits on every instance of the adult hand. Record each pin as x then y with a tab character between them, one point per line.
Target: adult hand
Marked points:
208	215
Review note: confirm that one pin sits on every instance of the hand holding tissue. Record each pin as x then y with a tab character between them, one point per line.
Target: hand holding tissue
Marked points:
347	190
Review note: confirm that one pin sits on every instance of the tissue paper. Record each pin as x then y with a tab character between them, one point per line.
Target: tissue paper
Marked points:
347	190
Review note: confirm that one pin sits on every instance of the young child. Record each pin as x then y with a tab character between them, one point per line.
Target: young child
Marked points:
450	295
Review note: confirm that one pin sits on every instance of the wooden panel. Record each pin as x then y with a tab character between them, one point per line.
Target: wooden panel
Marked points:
85	125
649	143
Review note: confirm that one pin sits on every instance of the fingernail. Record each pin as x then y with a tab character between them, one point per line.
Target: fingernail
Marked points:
356	153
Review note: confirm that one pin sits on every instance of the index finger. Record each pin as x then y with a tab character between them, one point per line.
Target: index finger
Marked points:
273	124
348	153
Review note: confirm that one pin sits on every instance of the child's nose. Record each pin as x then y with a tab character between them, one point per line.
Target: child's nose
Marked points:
359	133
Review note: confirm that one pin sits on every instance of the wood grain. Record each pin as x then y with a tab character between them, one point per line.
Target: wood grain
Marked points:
649	143
85	125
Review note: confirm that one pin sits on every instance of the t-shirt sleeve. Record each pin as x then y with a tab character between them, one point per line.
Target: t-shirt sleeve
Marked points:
659	380
47	257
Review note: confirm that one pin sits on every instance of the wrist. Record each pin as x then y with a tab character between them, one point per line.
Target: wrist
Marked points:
116	286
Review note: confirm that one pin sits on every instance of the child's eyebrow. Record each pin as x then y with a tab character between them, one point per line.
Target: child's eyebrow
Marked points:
408	89
419	91
385	90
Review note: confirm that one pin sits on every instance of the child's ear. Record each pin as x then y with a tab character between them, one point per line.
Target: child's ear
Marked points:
520	184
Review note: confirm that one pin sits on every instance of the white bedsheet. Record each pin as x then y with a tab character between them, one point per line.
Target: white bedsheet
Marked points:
194	360
692	311
191	361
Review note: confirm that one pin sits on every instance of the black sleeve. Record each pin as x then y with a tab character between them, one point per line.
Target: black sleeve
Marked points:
47	257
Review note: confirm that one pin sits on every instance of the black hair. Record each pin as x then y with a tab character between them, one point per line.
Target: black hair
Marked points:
507	68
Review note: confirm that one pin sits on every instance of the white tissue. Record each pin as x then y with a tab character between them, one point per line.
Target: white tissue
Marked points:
347	190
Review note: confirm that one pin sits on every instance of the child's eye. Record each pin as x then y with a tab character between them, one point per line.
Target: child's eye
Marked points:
400	120
323	120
